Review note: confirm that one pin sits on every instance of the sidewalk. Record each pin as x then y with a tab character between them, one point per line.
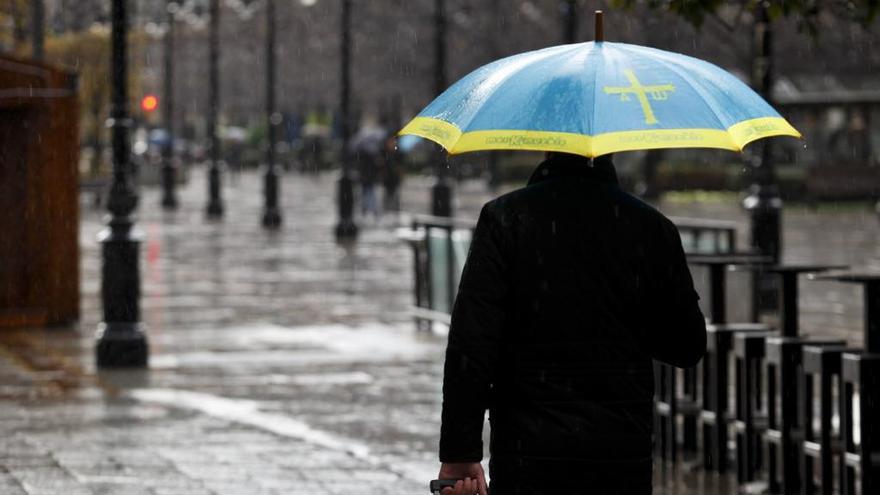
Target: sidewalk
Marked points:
280	362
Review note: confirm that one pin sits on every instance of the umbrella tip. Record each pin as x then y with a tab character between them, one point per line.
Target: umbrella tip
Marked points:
600	26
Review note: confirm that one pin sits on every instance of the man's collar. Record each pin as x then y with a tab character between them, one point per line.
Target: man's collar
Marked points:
566	165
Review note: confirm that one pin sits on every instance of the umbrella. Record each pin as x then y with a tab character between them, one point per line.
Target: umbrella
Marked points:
369	139
596	98
407	142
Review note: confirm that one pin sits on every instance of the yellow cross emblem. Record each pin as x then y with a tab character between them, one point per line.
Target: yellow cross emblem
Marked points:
658	92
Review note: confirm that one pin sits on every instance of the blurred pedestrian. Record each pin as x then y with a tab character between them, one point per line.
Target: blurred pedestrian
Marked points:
315	132
392	175
368	146
571	288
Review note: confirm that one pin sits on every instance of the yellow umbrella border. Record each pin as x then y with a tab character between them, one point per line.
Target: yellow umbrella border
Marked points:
734	138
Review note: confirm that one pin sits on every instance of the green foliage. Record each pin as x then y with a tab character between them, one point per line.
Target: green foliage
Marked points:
88	54
693	11
14	22
806	11
257	135
701	196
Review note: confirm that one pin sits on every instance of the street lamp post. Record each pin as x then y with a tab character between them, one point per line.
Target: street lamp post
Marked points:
215	201
271	213
346	229
763	202
570	20
493	35
441	191
121	341
38	28
169	197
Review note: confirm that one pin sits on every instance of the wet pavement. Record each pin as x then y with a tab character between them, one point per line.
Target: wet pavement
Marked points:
282	362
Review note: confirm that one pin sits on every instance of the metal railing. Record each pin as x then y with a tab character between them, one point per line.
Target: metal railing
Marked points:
440	246
706	236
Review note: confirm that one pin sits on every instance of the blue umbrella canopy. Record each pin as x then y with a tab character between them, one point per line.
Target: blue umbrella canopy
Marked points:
596	98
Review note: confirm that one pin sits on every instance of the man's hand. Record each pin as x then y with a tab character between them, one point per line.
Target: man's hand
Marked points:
471	478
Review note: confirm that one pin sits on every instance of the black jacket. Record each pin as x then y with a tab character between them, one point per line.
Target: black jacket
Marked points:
570	289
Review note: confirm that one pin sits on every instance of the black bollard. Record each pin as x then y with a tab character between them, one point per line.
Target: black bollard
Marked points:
346	229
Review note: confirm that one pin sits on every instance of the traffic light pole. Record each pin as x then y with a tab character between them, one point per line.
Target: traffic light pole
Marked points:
169	197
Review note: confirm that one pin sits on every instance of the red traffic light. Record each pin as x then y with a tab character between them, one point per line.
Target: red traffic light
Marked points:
149	103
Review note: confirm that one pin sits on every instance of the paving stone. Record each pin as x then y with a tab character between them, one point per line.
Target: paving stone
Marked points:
102	488
179	491
9	484
27	461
